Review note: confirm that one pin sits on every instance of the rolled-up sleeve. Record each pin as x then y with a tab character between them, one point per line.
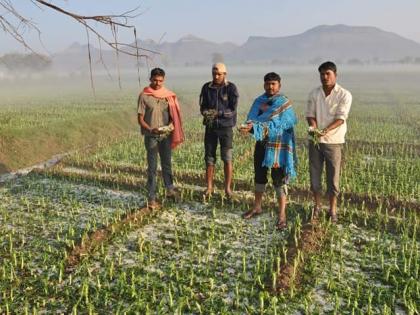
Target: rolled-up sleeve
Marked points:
141	106
310	106
343	107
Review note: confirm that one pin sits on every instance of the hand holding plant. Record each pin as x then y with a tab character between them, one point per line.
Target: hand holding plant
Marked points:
209	116
315	134
164	131
245	128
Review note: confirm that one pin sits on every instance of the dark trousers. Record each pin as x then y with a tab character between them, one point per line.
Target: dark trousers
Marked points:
260	172
154	146
212	136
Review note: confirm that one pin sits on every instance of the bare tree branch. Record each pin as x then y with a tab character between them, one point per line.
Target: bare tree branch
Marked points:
21	25
138	59
15	24
90	63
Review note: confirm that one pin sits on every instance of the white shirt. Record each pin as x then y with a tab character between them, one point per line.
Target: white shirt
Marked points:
326	109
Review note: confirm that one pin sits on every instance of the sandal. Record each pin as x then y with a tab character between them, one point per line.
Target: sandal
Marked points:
152	204
281	225
251	213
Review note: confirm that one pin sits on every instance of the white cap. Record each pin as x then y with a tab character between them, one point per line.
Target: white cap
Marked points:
219	67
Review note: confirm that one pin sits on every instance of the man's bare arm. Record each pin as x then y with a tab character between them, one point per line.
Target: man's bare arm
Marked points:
336	123
312	122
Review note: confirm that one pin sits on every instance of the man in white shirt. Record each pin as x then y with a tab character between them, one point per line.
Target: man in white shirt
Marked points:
326	112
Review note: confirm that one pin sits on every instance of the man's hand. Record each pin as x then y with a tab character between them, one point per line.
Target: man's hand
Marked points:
209	117
313	131
323	132
245	128
210	114
155	131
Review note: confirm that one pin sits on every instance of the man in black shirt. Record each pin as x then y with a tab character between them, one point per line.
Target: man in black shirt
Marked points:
218	103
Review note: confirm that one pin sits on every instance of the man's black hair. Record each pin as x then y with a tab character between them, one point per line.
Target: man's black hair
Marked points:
157	72
272	76
328	65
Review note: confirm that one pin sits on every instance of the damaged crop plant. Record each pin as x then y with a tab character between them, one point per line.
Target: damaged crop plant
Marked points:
76	238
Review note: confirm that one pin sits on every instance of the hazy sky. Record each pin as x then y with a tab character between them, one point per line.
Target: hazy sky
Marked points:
217	20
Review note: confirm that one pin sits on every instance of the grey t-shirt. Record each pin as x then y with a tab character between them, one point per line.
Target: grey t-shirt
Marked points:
154	110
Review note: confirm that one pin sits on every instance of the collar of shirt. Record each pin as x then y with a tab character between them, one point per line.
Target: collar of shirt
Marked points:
214	86
336	88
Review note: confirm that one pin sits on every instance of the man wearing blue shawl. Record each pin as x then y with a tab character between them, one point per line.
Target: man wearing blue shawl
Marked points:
271	120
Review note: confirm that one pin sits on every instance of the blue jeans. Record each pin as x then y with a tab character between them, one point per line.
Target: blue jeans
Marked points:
154	146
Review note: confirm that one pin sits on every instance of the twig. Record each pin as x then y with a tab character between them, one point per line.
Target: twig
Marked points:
138	59
114	33
90	63
15	24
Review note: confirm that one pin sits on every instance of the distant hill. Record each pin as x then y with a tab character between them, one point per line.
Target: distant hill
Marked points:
75	57
341	43
190	49
336	42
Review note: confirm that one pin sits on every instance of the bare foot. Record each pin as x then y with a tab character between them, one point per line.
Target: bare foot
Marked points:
228	194
251	213
208	192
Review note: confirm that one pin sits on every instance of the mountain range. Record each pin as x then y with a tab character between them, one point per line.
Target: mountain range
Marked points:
341	43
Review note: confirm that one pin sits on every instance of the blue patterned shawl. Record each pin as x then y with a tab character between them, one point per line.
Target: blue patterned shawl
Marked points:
273	119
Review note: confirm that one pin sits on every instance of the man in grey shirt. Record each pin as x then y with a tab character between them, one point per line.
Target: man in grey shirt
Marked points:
160	121
326	112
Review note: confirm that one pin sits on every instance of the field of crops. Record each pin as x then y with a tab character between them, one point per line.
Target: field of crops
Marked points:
78	238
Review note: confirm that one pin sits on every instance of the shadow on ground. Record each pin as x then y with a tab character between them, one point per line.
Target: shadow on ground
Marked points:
4	169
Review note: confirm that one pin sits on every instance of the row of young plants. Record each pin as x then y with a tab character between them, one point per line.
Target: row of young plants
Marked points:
44	112
179	240
368	169
62	214
42	219
371	266
194	258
